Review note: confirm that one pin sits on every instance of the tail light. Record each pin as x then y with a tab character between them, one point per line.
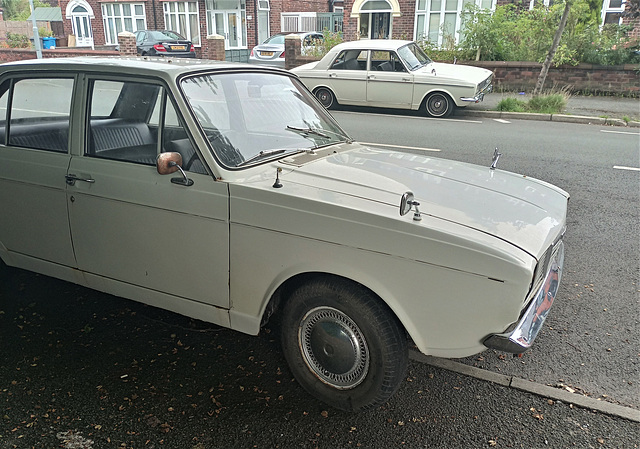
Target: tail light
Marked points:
251	52
192	48
281	55
159	47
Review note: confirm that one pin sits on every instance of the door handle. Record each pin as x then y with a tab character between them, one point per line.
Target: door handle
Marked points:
71	179
406	79
333	75
371	77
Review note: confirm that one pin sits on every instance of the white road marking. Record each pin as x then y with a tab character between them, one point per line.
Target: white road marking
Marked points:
620	132
621	167
407	116
398	146
501	120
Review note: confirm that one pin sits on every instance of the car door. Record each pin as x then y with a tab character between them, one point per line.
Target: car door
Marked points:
389	84
347	77
34	155
132	227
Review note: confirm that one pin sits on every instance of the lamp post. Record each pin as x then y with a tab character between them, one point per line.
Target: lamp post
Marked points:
36	35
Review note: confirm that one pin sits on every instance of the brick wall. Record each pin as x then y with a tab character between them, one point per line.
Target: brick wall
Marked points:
19	54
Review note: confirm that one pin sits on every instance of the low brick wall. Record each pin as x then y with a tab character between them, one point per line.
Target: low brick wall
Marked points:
583	78
18	54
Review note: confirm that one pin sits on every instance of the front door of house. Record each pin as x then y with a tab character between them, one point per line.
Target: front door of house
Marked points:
81	24
229	25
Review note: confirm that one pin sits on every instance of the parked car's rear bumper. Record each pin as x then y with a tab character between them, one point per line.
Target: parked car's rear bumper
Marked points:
522	336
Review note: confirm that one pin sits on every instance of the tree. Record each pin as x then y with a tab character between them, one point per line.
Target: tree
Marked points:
552	51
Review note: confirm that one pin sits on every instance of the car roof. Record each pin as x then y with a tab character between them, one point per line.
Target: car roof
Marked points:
372	44
161	67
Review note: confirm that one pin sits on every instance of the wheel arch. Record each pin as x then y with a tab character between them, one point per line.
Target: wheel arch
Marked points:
437	90
281	294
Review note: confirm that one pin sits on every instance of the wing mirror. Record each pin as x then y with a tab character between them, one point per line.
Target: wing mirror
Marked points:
407	202
167	163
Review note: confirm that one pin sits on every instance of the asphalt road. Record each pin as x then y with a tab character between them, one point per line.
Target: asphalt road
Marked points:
81	369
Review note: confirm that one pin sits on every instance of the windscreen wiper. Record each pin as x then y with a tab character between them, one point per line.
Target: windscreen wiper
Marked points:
309	130
267	153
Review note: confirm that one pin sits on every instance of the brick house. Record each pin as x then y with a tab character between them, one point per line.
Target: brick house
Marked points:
245	23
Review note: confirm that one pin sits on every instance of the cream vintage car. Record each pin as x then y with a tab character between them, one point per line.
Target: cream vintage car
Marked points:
393	74
174	183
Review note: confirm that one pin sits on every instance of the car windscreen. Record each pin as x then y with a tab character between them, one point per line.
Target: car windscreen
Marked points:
254	117
413	56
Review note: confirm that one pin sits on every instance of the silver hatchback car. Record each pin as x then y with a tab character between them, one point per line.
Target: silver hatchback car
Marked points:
271	51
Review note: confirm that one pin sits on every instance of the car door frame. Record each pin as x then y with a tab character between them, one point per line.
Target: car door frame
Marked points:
35	234
389	89
180	262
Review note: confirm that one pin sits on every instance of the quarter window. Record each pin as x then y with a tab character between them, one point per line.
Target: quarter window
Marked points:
37	121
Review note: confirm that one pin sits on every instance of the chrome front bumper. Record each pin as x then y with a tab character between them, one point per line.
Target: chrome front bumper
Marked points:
522	336
480	94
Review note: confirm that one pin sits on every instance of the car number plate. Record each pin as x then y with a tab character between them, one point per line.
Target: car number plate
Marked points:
266	53
178	47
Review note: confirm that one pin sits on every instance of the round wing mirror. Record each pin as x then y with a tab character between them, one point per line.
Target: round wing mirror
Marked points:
405	203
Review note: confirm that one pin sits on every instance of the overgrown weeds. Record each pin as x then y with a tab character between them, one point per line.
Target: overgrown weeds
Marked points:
553	103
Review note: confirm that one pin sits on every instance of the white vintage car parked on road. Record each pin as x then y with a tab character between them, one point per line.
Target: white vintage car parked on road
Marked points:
393	74
176	183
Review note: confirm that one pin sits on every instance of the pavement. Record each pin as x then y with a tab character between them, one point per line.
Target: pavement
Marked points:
599	110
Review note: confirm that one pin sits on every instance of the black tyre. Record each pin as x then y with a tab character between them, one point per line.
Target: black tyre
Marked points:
326	97
438	105
343	344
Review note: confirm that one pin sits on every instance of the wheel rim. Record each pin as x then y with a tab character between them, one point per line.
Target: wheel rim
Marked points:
334	348
437	105
325	97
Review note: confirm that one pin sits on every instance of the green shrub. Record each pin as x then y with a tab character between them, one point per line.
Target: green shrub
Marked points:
16	40
511	34
553	103
330	40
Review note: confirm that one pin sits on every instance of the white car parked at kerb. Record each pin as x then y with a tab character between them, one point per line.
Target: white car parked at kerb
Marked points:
174	183
393	74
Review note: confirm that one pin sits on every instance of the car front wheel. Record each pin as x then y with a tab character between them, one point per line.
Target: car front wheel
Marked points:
326	97
438	105
343	344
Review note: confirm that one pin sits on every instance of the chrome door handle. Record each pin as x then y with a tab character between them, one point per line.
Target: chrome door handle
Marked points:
333	75
406	79
371	77
71	179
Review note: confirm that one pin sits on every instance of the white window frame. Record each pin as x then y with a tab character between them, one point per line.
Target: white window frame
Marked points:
297	21
608	9
426	13
172	15
119	22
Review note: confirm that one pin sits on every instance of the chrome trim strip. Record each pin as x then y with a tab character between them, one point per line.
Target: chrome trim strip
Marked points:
522	337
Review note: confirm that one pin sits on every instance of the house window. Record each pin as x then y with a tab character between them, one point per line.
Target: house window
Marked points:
297	21
439	21
183	18
612	11
118	17
264	28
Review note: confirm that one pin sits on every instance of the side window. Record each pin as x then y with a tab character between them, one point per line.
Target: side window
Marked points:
129	120
386	61
351	60
38	113
118	121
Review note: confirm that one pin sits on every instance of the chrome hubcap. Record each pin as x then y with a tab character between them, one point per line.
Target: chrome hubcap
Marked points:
334	348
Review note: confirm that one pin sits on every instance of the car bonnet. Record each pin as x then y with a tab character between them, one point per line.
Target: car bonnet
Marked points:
523	211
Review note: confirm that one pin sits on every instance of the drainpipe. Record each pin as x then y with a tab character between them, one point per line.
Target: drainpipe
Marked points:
155	21
36	35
